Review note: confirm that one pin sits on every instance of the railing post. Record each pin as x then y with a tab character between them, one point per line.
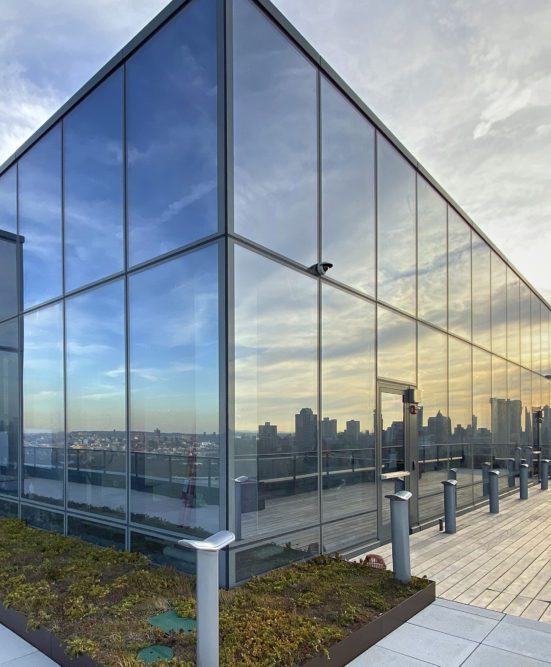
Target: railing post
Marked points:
399	527
511	473
239	481
450	504
208	639
494	491
544	474
485	478
524	481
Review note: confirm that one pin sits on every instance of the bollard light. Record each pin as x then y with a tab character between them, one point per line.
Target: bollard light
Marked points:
399	528
494	491
239	481
524	481
544	474
450	505
208	642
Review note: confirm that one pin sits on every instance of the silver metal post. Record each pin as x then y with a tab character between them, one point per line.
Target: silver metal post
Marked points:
239	481
544	474
511	473
399	527
452	473
524	481
486	466
450	504
207	594
494	491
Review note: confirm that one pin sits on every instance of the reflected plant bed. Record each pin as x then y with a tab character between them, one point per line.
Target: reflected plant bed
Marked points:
97	602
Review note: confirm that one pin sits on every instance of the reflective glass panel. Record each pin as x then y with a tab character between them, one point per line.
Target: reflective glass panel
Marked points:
163	552
525	327
396	346
527	403
433	423
514	394
9	407
171	90
499	305
8	510
276	421
40	218
97	533
545	342
482	418
348	404
535	318
8	200
513	316
482	298
460	391
395	227
275	137
93	185
499	405
96	412
459	263
174	368
432	266
43	410
9	297
348	190
53	522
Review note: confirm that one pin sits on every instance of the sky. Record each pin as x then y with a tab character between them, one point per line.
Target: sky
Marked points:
464	84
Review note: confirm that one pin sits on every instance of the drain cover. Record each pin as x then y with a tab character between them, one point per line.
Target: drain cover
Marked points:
169	621
153	654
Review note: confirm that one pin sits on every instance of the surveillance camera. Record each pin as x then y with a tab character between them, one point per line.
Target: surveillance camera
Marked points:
321	268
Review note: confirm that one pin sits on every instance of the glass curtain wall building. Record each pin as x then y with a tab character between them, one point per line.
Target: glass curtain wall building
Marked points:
171	361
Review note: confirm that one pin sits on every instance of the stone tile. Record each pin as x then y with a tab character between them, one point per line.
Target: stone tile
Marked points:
454	622
524	640
527	623
12	646
470	609
428	645
32	660
383	657
489	656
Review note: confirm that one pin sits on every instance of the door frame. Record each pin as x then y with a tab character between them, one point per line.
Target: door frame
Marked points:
410	452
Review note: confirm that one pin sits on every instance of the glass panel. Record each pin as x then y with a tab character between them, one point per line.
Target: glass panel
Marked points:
433	424
348	533
9	301
459	262
348	190
432	260
96	412
525	327
460	391
276	432
526	393
164	552
396	227
515	404
535	318
44	519
348	404
482	416
8	200
97	533
171	89
275	137
8	510
396	346
43	412
393	451
545	341
499	406
513	316
40	218
174	399
93	185
9	407
499	306
482	298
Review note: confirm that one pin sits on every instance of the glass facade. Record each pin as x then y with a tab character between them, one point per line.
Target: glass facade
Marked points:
171	361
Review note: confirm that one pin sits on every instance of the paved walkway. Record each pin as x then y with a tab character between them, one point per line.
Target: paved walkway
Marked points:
499	561
16	652
450	634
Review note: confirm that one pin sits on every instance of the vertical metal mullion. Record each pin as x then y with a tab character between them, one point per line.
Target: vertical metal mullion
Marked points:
376	433
64	325
128	476
319	304
20	341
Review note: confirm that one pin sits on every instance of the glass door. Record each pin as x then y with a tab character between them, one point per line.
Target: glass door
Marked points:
396	441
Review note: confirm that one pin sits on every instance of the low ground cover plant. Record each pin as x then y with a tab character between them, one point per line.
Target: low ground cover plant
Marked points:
98	601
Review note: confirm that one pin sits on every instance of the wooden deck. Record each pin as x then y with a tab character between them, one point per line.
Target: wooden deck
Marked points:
498	561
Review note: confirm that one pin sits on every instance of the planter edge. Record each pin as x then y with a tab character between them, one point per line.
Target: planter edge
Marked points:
343	652
41	639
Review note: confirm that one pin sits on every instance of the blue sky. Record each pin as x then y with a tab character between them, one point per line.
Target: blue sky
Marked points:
465	85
